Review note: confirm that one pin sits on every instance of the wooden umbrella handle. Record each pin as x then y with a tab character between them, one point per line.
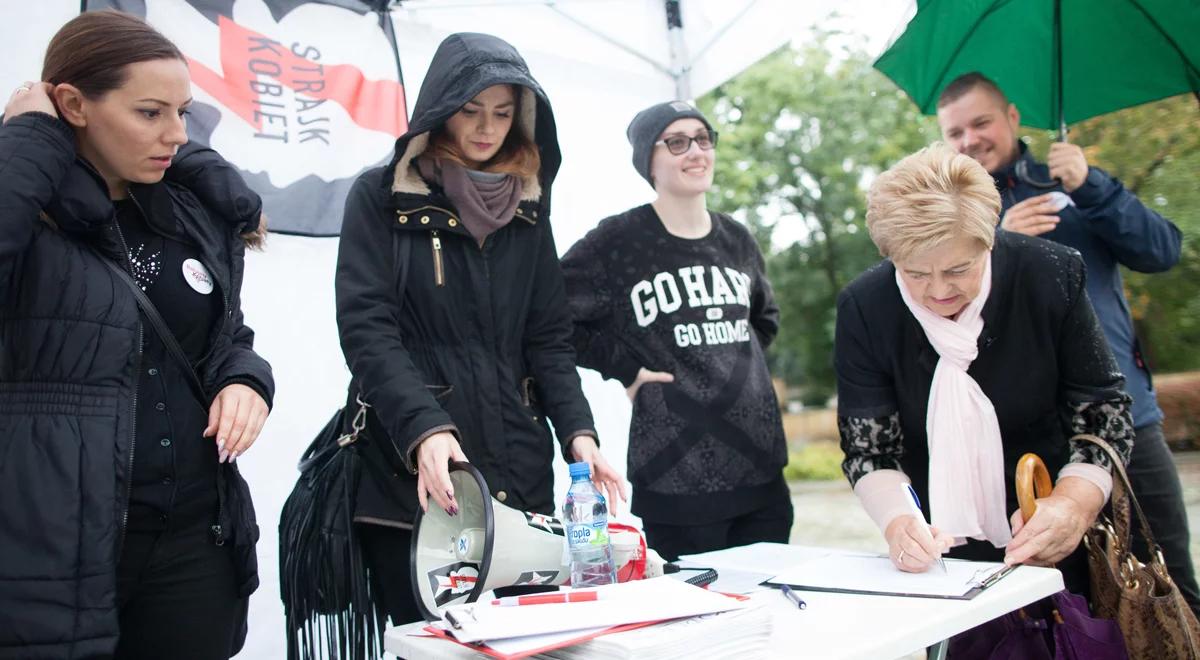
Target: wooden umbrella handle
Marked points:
1033	481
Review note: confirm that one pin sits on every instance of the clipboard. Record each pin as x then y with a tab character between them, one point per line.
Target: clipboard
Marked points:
876	576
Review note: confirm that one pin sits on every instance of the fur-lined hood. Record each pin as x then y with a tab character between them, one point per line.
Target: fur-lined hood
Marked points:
464	65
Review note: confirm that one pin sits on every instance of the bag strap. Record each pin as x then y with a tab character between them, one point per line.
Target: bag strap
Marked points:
1128	500
160	327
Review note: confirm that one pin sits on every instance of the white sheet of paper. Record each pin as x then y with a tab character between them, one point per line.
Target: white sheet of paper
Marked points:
771	558
629	602
878	575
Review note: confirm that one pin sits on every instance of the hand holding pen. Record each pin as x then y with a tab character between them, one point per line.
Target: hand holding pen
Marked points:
912	544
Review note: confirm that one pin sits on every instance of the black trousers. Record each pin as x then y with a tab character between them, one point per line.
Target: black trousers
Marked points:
386	552
772	523
177	594
1156	485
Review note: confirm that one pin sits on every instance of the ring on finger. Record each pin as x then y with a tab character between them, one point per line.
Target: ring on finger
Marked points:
900	559
24	88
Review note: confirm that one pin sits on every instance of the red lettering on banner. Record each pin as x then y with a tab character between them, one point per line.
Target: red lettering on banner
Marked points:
376	105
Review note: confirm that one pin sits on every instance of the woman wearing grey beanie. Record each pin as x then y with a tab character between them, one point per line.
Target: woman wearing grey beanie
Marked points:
672	300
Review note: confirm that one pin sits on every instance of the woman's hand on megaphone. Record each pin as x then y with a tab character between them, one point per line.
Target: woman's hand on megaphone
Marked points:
608	480
433	471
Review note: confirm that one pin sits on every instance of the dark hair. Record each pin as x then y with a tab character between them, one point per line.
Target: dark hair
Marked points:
92	50
959	87
518	155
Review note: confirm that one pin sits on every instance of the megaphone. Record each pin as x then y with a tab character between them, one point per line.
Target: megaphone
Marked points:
487	545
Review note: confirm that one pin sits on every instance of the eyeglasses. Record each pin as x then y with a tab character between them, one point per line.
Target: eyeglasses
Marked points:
679	144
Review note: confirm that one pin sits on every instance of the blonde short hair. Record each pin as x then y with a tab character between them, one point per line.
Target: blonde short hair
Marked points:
931	197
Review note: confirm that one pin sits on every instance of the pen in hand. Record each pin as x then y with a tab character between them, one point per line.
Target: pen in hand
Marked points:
793	596
914	505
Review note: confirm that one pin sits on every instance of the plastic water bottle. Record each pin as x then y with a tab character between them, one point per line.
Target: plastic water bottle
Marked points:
585	516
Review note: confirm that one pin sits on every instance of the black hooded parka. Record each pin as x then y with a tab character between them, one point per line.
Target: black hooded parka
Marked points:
71	339
444	334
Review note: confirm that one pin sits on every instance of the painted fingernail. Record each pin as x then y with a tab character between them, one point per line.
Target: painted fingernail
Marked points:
452	511
450	494
222	456
220	443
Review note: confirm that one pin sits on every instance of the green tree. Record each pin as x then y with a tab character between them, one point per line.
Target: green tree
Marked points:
803	133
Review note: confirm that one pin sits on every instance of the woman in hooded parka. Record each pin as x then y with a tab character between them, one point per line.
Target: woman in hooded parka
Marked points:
124	526
452	312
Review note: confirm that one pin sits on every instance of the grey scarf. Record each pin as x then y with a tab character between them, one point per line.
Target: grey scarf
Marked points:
485	200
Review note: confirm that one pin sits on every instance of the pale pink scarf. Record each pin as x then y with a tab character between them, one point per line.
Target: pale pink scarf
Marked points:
966	459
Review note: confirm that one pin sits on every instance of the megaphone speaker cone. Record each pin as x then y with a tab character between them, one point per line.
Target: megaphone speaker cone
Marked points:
455	559
450	555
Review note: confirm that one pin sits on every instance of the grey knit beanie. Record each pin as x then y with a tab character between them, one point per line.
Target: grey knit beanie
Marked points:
648	124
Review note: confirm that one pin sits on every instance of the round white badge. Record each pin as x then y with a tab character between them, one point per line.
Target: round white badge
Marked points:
197	277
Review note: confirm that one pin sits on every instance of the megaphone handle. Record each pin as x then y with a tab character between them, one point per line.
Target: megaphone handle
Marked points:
1033	481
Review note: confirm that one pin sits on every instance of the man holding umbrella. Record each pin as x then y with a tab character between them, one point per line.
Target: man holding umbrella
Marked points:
1066	201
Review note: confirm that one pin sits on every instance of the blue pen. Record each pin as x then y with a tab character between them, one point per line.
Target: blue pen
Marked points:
792	596
915	506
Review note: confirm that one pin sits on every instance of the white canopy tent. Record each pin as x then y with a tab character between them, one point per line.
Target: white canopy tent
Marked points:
600	61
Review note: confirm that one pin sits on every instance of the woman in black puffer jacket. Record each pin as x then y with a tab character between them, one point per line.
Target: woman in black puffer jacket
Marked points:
124	525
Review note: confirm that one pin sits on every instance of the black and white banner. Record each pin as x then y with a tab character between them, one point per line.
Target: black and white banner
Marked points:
301	96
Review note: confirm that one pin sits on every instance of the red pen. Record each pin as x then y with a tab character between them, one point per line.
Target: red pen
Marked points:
547	599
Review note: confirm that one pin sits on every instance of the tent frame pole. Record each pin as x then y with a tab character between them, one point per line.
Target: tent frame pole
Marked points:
681	65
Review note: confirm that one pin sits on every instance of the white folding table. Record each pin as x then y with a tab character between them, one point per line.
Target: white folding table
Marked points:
834	625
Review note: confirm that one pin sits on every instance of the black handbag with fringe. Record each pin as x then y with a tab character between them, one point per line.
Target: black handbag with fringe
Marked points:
328	608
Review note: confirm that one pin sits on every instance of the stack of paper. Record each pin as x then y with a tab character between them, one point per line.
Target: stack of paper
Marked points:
525	630
744	634
655	599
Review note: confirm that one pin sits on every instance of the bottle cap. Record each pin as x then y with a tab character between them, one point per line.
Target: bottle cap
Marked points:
580	470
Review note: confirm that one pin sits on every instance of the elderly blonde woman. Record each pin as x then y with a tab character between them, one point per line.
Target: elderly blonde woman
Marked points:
961	351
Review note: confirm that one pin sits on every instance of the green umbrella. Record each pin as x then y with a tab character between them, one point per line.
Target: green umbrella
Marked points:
1059	61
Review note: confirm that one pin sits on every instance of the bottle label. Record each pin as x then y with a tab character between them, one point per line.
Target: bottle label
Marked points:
583	535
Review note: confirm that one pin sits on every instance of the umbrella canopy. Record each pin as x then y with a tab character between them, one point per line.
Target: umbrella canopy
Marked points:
1059	61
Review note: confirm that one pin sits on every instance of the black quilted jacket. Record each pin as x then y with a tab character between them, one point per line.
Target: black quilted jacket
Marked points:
70	346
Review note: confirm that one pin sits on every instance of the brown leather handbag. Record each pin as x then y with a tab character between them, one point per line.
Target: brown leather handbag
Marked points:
1142	598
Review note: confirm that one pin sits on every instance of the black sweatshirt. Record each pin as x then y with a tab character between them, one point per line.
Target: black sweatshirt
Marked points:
709	446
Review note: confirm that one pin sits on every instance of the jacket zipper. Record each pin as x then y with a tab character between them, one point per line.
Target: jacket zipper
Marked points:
137	375
439	272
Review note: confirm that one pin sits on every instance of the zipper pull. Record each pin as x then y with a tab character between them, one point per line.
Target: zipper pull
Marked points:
218	535
439	272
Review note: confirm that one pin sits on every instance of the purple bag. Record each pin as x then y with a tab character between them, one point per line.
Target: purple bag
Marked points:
1059	627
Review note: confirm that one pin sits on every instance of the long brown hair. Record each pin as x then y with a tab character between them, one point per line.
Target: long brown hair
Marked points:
518	155
92	51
